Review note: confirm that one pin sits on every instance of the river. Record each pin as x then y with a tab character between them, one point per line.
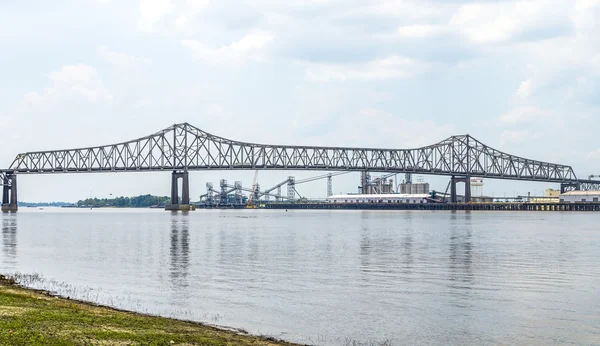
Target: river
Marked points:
327	277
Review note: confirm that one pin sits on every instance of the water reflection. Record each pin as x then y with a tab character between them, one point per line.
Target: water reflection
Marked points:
379	249
461	253
365	249
180	250
253	248
228	254
357	277
407	246
9	238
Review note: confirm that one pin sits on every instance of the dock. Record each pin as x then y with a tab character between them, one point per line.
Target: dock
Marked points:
497	206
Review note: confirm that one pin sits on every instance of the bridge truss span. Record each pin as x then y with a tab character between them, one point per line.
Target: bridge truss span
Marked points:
185	147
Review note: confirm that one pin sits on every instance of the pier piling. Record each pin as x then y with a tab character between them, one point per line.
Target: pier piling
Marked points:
9	193
185	192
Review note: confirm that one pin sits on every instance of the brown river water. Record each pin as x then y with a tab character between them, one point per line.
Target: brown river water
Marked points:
327	277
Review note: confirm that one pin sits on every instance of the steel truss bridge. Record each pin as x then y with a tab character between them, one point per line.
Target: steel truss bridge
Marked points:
183	147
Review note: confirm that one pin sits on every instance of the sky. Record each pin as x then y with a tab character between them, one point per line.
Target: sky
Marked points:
520	76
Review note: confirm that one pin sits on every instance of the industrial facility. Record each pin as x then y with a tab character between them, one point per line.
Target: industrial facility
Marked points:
589	196
580	197
384	188
382	198
231	196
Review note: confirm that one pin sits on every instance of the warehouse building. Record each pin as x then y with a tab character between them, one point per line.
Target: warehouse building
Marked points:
381	198
580	196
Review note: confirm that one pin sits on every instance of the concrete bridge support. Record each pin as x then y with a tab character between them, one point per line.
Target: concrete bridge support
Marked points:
453	195
9	193
453	190
467	189
185	192
5	189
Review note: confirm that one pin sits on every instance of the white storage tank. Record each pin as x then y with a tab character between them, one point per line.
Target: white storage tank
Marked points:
414	189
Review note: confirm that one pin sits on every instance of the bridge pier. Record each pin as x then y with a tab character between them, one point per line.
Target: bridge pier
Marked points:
5	190
9	193
467	189
185	192
453	195
453	190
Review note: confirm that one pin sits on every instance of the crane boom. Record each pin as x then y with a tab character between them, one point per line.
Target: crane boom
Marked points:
383	177
319	177
251	198
276	186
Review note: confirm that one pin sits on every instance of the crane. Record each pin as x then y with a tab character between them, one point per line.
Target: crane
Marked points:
267	192
250	203
256	191
307	180
376	184
228	188
383	178
319	177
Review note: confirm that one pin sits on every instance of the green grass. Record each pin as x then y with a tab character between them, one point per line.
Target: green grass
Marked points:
29	317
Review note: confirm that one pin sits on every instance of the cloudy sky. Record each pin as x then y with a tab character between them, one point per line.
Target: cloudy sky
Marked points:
521	76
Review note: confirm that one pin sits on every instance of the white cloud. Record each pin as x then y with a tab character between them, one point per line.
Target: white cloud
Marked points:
523	114
152	12
120	59
387	130
595	62
194	7
525	89
253	46
418	31
479	24
215	109
514	136
6	121
409	10
594	155
587	4
394	67
158	14
503	21
72	81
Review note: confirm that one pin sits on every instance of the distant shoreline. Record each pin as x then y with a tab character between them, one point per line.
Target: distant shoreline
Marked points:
87	207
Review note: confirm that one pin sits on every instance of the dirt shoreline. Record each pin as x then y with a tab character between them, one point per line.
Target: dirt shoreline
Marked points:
35	317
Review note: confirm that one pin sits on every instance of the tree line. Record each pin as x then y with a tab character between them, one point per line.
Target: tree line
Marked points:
43	204
142	201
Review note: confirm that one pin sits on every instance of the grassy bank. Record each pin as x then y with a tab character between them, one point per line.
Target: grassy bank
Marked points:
29	317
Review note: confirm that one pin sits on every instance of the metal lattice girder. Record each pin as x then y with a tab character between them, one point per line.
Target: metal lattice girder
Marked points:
185	147
589	186
582	185
5	179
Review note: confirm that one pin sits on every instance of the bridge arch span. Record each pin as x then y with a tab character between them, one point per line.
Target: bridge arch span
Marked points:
185	147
